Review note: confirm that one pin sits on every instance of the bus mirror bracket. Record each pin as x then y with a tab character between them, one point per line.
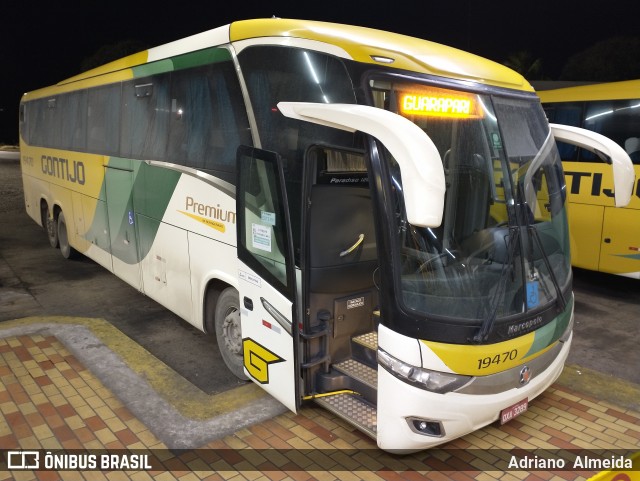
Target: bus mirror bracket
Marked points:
606	149
423	180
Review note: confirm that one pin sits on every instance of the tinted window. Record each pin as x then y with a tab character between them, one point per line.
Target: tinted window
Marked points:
146	106
276	74
103	120
617	119
194	117
208	119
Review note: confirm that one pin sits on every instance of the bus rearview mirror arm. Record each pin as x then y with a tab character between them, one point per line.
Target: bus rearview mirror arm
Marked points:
607	150
419	160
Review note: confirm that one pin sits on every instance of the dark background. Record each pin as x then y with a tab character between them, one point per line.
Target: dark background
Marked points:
42	43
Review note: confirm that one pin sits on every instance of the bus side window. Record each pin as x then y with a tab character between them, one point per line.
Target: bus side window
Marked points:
275	74
566	114
103	119
632	147
208	119
618	120
145	118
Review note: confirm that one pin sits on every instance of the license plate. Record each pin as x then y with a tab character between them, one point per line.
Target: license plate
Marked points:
511	412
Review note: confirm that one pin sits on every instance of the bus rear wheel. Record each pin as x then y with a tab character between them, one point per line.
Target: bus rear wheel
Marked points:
67	251
50	226
229	332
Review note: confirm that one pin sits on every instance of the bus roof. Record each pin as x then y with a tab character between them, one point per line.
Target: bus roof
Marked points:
409	53
358	43
628	89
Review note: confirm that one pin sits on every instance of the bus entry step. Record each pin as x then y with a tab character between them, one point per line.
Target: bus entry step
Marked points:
353	409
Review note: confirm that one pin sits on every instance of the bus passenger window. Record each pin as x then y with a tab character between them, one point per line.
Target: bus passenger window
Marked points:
103	119
566	114
632	147
145	118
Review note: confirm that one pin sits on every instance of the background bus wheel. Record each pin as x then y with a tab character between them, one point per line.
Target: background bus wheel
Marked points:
50	227
67	251
228	331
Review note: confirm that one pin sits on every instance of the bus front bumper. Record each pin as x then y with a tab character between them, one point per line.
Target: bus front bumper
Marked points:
401	405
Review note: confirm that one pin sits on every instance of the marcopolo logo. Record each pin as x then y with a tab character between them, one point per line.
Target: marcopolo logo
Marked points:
528	325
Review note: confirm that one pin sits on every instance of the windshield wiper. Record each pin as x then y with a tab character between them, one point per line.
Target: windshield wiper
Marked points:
533	232
498	295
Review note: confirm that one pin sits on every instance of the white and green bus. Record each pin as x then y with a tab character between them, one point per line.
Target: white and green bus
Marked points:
365	220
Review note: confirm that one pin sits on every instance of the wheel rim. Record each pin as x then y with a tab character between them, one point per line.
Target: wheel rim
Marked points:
51	228
232	333
62	236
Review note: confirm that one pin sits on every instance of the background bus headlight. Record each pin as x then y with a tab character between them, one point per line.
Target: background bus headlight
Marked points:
434	381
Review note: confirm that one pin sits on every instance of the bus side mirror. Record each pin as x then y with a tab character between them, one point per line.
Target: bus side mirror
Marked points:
420	164
606	149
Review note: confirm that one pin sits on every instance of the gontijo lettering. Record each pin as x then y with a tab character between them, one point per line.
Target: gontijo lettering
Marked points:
72	171
576	186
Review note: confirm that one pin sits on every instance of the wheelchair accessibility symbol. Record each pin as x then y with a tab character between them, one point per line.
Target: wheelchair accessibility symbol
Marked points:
533	294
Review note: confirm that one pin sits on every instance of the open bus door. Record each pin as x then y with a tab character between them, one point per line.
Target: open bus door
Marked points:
266	283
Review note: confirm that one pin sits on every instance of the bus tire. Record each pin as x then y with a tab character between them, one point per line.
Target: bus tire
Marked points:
66	250
228	331
50	226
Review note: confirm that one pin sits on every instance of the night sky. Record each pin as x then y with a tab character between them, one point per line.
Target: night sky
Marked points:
44	43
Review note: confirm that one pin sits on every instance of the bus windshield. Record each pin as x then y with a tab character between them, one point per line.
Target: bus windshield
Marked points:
502	248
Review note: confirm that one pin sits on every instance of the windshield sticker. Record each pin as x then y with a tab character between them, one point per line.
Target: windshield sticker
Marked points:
261	237
533	291
496	141
268	218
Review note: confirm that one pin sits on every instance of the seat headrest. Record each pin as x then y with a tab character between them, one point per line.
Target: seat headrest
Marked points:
632	144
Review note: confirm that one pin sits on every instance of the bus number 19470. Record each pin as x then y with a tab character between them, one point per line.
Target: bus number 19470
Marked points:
486	362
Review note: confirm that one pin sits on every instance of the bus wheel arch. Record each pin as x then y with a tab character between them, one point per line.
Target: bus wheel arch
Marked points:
222	316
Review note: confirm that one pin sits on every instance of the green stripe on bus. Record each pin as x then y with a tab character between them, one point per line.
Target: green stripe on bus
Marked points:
131	189
202	57
152	68
195	59
550	333
629	256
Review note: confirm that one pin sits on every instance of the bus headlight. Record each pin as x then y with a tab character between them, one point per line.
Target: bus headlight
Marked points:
434	381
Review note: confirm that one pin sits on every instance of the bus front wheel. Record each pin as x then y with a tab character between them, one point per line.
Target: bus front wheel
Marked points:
229	332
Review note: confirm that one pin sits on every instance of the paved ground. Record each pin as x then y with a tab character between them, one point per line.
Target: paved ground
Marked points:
67	384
